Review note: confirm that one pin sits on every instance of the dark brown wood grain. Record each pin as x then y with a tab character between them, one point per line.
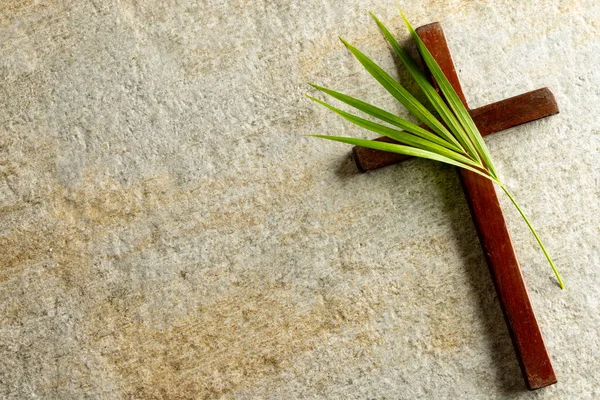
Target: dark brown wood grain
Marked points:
496	243
488	218
490	119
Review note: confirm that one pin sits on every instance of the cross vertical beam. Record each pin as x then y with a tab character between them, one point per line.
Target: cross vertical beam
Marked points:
487	215
497	246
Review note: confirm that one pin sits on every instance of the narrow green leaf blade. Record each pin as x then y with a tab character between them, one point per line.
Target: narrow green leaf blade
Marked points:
430	92
400	93
399	136
455	103
390	118
406	150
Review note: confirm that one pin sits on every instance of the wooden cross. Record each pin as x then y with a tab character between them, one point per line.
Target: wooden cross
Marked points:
486	212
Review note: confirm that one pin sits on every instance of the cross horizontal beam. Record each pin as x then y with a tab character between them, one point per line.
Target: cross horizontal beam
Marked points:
489	119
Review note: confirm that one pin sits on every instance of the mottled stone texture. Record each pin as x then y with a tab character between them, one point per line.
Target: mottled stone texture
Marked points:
167	232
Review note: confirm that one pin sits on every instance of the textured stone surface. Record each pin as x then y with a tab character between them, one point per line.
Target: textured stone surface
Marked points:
167	232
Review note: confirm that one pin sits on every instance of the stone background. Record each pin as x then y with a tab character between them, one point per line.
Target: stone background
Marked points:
167	232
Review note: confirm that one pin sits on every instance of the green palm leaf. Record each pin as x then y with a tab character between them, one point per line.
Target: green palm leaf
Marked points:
402	95
390	118
452	97
457	143
400	136
406	150
432	95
